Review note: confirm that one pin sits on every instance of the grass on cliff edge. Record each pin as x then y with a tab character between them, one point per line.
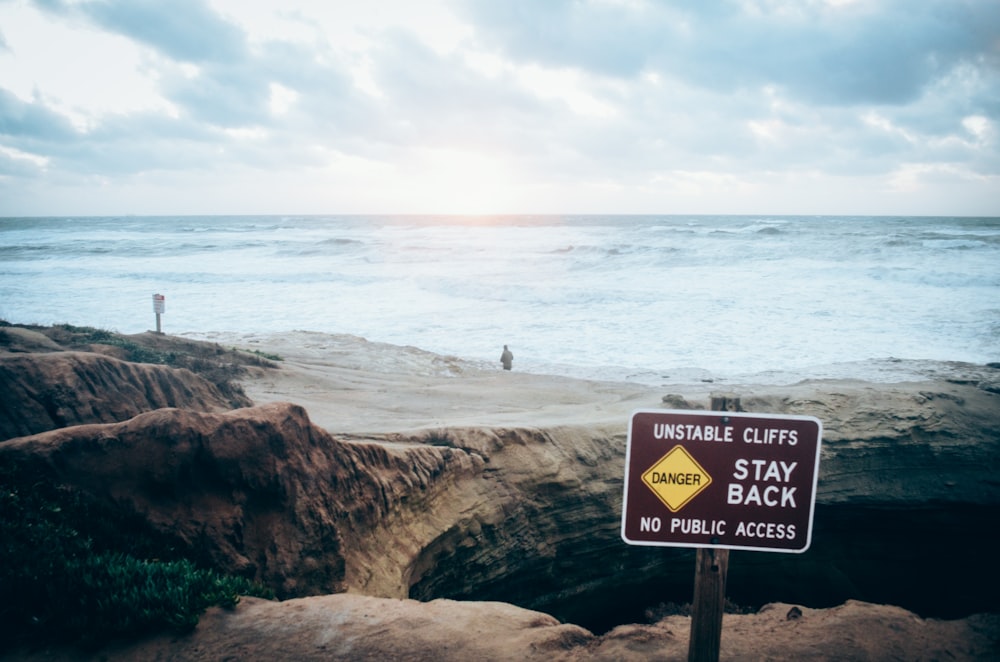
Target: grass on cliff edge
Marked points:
212	362
72	572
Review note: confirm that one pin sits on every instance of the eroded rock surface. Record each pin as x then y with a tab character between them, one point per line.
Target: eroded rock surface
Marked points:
259	492
42	392
355	627
532	516
529	514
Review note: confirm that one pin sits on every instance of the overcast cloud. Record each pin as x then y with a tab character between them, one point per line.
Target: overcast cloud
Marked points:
520	106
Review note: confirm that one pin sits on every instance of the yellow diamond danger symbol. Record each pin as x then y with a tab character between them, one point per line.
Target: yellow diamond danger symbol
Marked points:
676	478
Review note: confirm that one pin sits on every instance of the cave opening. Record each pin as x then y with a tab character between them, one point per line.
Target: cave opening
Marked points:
908	558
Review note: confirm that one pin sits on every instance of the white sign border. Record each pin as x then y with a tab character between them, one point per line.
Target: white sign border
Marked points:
717	414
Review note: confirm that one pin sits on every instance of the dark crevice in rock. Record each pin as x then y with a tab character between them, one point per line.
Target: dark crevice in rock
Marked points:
914	557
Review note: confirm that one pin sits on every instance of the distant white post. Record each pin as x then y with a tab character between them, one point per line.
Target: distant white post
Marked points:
159	307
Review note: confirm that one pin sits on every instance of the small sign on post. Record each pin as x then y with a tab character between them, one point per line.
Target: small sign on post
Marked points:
159	307
719	480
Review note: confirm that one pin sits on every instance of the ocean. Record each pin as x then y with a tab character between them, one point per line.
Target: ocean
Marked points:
652	299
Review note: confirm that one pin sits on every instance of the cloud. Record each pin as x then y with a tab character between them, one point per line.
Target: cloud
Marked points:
855	53
604	38
605	104
30	123
183	30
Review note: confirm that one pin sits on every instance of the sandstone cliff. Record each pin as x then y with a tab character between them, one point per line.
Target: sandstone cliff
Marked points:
355	627
530	514
45	384
48	391
257	492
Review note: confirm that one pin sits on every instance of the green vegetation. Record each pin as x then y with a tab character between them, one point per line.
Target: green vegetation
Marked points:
86	335
76	572
664	609
217	365
263	355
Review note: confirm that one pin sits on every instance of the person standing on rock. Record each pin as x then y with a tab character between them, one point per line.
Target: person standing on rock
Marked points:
507	358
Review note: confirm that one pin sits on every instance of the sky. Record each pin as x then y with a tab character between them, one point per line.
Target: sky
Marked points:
867	107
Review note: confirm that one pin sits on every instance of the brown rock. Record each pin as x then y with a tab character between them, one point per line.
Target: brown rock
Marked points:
259	492
18	339
355	627
530	514
45	391
525	516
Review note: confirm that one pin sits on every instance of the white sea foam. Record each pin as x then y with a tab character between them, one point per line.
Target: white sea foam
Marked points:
652	299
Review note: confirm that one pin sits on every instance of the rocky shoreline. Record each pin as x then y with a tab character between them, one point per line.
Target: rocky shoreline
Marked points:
384	489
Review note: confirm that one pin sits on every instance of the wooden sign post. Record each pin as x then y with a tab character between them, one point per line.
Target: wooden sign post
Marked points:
719	480
710	570
709	604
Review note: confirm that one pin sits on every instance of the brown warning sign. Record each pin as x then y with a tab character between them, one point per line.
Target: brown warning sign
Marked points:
723	479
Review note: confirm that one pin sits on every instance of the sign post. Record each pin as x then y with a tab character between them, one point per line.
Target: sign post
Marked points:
159	307
716	481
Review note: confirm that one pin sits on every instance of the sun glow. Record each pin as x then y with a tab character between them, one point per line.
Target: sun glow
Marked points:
457	181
